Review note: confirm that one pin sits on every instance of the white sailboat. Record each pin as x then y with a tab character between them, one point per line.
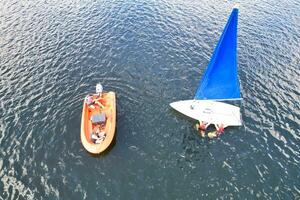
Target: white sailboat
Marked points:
219	83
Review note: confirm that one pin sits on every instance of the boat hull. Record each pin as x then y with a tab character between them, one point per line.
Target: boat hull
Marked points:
209	111
109	109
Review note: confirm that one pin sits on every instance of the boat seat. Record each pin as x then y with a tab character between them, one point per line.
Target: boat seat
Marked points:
98	118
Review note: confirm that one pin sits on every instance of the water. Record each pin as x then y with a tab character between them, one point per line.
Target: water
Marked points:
151	53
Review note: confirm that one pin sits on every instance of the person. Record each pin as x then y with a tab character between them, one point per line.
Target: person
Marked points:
219	130
201	127
98	136
94	136
99	104
91	102
101	137
99	90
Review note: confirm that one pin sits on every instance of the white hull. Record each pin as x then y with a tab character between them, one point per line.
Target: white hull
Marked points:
213	112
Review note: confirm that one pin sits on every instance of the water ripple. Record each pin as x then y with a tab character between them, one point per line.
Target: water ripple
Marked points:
151	53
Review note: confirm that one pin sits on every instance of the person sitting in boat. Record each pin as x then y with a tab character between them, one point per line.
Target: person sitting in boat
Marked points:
101	136
97	139
201	127
91	102
94	137
98	136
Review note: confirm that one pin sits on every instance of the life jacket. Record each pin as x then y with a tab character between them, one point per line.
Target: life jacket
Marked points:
221	129
202	127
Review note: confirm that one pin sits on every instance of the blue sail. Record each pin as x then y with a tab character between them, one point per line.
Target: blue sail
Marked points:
220	81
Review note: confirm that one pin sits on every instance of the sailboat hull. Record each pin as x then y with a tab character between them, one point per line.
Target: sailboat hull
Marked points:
209	111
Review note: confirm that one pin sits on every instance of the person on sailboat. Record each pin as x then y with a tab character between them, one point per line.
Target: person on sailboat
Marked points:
201	127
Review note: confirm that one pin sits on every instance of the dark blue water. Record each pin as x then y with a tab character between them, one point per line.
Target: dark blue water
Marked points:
151	53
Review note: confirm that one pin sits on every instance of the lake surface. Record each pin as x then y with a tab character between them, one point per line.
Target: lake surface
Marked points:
151	53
